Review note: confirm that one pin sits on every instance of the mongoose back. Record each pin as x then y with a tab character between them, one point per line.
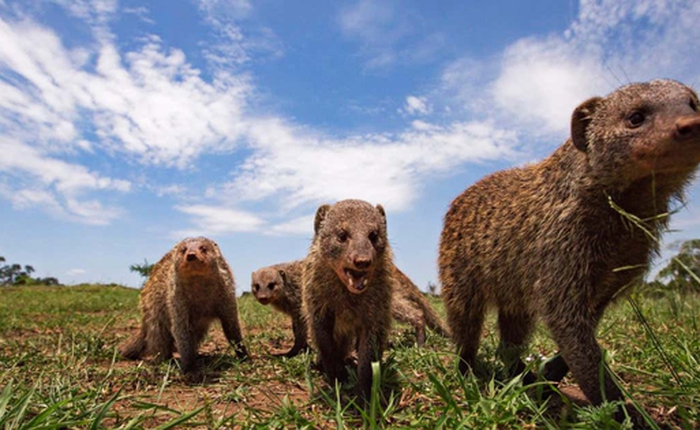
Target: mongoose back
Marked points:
410	306
191	286
546	239
347	288
280	286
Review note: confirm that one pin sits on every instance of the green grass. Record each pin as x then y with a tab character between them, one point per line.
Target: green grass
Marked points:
59	369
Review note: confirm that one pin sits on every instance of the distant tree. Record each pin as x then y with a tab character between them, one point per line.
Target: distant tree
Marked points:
15	274
48	281
142	269
432	288
683	270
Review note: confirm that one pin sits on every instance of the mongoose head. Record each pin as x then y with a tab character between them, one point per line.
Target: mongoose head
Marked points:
267	283
352	238
639	130
196	256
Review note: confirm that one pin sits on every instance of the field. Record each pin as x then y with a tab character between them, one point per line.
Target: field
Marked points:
59	369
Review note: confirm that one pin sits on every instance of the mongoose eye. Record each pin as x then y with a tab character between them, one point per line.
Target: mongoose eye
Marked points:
256	287
374	236
635	119
342	236
271	286
203	249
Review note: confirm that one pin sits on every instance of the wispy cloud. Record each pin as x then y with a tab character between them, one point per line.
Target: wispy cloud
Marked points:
57	186
149	104
96	12
295	166
540	80
217	220
236	44
387	35
298	226
416	106
76	272
141	13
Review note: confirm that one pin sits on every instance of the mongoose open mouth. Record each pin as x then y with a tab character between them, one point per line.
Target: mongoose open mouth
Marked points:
355	280
264	300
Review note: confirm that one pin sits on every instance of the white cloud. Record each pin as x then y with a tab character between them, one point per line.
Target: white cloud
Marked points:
141	13
298	226
387	34
295	166
96	12
213	220
540	80
148	104
65	177
417	106
229	10
169	190
76	272
234	45
55	185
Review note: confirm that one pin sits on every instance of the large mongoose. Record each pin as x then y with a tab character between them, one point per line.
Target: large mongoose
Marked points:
188	288
280	286
550	239
410	306
347	288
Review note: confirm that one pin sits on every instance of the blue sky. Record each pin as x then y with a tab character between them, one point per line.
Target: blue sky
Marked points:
126	126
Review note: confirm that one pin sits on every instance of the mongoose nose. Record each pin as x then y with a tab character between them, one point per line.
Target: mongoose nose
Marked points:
688	126
362	262
191	257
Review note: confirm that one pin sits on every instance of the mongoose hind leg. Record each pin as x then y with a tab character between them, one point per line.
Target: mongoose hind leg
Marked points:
515	330
467	323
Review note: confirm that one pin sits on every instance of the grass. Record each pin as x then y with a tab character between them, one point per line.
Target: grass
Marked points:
59	369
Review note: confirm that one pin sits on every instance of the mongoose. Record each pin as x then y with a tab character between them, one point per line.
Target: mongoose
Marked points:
280	286
550	239
188	288
347	288
410	306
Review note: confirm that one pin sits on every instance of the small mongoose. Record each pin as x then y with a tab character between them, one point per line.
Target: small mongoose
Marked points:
347	288
560	239
410	306
280	286
191	286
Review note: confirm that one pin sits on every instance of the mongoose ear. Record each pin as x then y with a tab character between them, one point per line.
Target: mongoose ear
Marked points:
320	216
283	274
381	210
580	120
